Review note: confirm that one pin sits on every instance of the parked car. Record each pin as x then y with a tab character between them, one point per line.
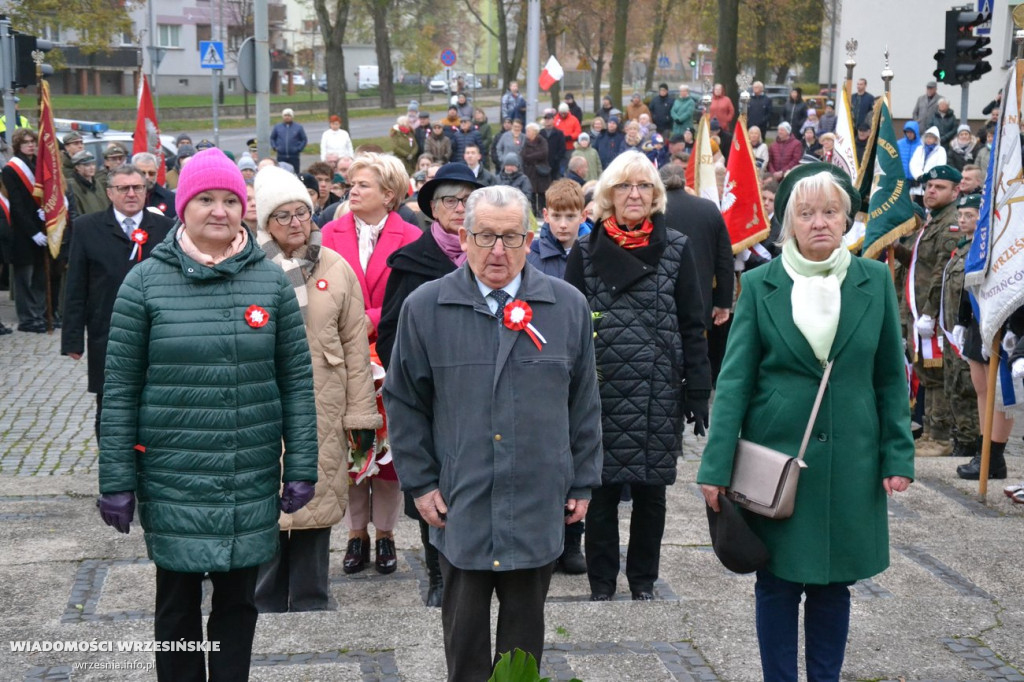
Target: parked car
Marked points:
321	83
298	78
413	79
438	84
97	136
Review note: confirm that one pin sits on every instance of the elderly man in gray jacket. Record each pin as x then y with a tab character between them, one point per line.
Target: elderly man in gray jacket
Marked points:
494	419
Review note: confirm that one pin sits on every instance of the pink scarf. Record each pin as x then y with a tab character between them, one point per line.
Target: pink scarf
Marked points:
449	243
193	252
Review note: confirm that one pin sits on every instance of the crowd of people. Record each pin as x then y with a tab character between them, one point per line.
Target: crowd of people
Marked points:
513	327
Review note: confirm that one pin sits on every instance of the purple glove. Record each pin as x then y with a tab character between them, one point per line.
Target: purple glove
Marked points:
117	509
296	495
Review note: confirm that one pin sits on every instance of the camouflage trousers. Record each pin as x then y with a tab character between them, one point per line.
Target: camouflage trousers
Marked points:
938	423
963	400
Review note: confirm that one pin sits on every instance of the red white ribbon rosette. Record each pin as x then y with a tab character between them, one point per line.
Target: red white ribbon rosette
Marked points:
517	318
321	284
256	316
138	237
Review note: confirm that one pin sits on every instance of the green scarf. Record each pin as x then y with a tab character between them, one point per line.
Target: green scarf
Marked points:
816	300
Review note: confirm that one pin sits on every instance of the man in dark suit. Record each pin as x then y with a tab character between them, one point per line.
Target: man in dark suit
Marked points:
103	250
861	104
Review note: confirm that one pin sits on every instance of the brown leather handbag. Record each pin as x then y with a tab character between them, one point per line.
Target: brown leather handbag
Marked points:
764	480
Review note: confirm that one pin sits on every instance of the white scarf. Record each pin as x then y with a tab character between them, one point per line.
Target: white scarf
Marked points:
368	235
816	299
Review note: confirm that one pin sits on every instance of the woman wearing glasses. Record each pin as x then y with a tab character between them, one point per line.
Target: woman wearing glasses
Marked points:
366	237
436	253
207	376
641	282
329	296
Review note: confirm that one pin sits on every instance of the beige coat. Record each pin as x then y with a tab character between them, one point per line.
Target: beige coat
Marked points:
345	399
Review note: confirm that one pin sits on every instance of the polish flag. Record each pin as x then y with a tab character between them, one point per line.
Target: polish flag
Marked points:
551	74
147	130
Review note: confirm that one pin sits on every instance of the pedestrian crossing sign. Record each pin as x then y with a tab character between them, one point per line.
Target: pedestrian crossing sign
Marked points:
211	54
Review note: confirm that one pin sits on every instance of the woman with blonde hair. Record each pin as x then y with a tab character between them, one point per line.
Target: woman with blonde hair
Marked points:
365	237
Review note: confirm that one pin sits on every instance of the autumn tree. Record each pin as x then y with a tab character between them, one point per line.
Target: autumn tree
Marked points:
510	56
382	41
619	52
726	64
663	10
591	32
333	21
554	26
98	24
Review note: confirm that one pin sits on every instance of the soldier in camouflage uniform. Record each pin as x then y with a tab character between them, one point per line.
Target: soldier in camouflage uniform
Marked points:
963	400
935	242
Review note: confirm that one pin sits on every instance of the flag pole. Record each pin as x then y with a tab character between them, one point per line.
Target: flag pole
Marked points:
887	76
990	404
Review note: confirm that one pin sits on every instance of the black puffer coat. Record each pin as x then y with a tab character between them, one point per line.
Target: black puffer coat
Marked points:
651	352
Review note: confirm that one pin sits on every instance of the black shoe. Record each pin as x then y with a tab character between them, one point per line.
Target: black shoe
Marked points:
435	593
387	560
4	329
643	596
32	328
572	561
598	596
996	465
357	555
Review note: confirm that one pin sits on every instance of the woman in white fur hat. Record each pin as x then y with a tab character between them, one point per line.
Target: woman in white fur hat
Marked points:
331	300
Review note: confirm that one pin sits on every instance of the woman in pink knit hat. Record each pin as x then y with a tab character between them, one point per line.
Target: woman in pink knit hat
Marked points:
208	373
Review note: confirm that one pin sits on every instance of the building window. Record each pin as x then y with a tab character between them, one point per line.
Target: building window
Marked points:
169	35
127	38
51	33
203	32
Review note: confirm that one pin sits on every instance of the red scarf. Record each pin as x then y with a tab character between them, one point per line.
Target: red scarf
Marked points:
629	239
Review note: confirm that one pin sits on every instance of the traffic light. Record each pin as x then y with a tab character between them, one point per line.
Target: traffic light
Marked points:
693	59
24	63
964	55
940	66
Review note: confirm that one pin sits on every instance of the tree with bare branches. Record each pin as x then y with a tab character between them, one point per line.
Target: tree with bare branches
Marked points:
333	33
514	10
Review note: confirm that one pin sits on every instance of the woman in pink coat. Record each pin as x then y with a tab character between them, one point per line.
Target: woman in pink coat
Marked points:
366	237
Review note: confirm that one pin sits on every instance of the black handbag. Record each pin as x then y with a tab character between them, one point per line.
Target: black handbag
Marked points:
543	170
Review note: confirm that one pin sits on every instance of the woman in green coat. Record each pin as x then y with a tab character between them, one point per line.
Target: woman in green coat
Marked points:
813	305
208	374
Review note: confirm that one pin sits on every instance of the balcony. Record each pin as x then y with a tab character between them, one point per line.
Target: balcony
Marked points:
116	58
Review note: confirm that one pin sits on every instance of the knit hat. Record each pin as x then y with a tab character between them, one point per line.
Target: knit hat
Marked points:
584	137
785	126
962	128
274	188
208	169
246	163
310	182
510	159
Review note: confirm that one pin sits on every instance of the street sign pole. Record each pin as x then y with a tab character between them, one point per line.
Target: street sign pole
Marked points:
216	120
211	56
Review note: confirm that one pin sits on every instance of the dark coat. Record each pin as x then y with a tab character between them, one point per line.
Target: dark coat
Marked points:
839	529
795	113
461	140
211	400
288	139
99	262
701	221
610	145
162	199
25	222
517	180
759	113
650	347
547	254
536	154
534	439
411	266
947	124
556	150
860	108
89	196
661	112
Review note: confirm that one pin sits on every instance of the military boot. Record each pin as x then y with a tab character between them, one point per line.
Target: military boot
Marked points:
926	446
996	465
572	560
966	449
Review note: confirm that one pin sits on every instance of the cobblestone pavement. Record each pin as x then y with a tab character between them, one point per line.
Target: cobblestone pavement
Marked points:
950	607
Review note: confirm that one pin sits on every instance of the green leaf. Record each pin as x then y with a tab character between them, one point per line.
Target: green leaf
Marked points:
517	666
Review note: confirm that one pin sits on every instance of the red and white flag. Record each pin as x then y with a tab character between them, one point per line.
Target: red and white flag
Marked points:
551	74
147	131
49	178
741	204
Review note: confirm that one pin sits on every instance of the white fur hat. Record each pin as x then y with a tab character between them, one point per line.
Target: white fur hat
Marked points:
275	187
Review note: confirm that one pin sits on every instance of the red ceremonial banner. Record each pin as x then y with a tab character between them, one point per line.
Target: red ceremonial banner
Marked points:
742	209
50	188
147	131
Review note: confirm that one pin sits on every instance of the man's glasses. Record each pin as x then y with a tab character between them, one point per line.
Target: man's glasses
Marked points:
487	240
285	219
124	189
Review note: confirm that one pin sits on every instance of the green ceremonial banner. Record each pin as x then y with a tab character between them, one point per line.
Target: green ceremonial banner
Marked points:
890	212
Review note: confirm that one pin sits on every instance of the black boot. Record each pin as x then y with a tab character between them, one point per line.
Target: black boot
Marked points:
435	588
966	449
996	465
572	560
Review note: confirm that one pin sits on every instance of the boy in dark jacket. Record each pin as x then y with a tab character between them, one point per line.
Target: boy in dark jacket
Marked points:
563	214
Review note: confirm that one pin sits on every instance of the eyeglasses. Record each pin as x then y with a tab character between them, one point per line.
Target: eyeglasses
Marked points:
285	219
451	202
487	240
124	189
627	187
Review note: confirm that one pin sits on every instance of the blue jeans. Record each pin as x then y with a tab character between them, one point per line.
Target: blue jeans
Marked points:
826	625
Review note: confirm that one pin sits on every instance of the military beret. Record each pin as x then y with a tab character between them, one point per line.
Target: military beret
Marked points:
807	170
966	201
941	173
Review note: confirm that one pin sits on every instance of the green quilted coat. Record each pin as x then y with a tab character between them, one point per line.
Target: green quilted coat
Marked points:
197	400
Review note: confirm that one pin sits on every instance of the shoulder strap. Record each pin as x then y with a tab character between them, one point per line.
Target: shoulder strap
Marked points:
814	410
